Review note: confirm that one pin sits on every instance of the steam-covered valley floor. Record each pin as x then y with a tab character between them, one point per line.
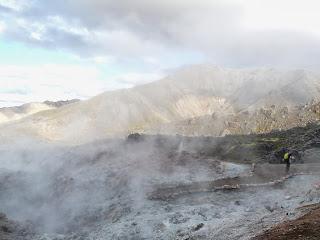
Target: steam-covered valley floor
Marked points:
156	187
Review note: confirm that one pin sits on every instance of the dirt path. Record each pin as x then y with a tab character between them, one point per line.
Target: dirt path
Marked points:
263	175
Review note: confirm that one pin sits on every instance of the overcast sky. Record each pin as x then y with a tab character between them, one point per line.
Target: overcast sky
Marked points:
66	49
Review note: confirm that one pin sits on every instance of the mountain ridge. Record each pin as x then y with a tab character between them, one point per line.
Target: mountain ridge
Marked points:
13	113
194	92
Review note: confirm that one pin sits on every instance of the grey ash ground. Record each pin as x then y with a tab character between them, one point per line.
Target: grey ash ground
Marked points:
157	187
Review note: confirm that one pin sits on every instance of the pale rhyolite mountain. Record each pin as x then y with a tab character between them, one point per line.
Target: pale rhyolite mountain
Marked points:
201	92
8	114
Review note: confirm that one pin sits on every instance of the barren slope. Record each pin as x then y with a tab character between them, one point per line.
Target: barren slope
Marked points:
156	187
193	92
8	114
303	228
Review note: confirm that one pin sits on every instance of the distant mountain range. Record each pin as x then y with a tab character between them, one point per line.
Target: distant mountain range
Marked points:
8	114
196	100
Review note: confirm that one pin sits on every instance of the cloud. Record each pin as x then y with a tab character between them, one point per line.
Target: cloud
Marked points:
2	27
22	84
53	82
231	32
136	39
14	5
134	79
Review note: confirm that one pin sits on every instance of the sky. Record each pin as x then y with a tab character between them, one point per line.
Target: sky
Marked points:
65	49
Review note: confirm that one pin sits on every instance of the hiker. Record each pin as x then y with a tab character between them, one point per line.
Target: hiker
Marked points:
286	159
253	167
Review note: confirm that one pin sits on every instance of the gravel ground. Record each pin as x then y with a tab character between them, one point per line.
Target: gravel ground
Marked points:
100	191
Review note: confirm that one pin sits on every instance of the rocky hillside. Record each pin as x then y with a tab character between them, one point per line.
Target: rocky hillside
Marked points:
195	100
305	227
8	114
261	120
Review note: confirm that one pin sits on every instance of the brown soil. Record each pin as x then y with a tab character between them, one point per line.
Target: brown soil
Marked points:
305	227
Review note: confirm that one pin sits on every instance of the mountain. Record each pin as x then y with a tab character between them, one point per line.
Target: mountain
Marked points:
8	114
206	95
262	120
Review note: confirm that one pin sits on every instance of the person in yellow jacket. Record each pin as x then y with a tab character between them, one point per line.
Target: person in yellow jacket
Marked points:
286	159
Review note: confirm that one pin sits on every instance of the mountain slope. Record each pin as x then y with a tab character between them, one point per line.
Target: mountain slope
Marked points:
8	114
194	92
14	113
